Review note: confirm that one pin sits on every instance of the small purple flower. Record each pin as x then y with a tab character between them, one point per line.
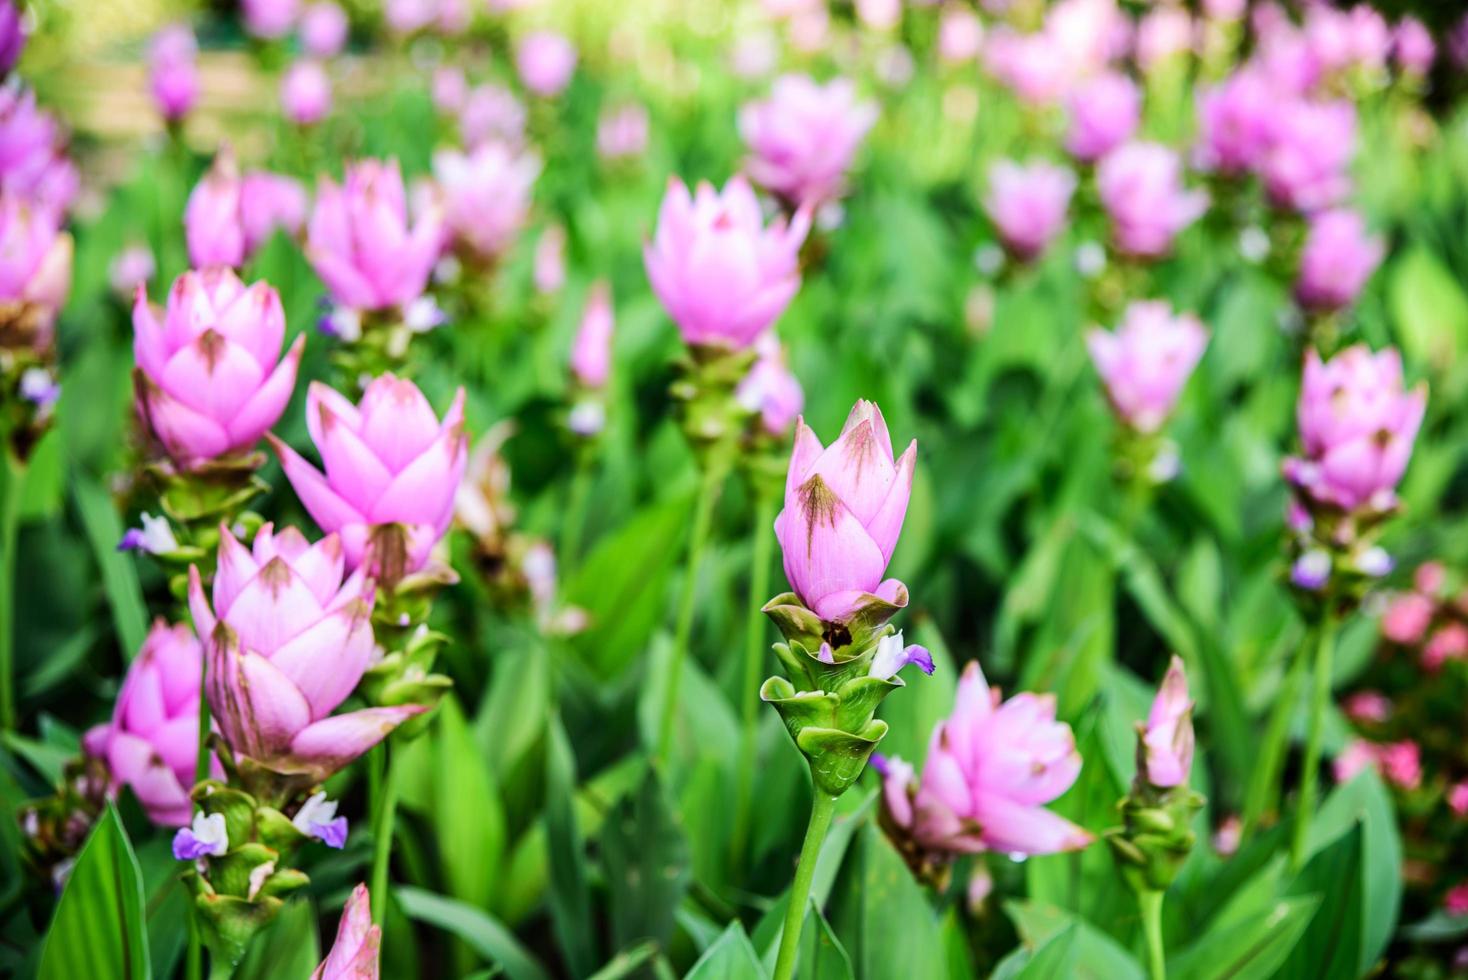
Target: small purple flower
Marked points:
892	655
38	387
317	818
208	837
155	537
1311	570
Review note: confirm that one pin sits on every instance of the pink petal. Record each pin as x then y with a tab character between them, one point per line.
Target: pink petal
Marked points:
333	742
264	407
1017	829
327	509
326	661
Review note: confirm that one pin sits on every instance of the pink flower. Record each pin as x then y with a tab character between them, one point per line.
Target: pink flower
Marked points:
35	262
324	29
545	60
550	260
1146	361
1236	121
1141	187
486	195
803	137
1357	426
843	514
960	35
305	92
450	89
1407	617
152	742
173	75
269	19
360	243
1449	642
591	354
1357	756
1455	902
719	271
1368	706
354	955
1104	113
1164	32
130	268
491	112
270	202
409	16
1169	735
621	133
12	35
1027	203
388	461
210	379
1413	47
1027	64
770	388
285	642
1338	257
990	770
212	216
1458	798
1305	168
33	160
1401	763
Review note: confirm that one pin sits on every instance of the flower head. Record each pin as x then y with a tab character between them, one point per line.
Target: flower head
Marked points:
803	137
770	388
1305	167
486	194
1168	738
305	92
354	955
1146	362
1338	257
591	354
35	264
1104	113
1236	121
546	61
270	19
1027	204
1141	187
324	28
172	73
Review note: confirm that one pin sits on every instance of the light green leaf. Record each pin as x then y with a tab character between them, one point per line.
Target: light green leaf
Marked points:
480	930
1248	949
286	948
731	958
99	930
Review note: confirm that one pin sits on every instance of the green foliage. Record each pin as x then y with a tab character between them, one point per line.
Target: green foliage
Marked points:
100	928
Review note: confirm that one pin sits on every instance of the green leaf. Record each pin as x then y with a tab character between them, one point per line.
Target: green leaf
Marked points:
1057	959
882	914
822	956
570	900
731	958
1100	957
1429	309
286	948
100	928
1251	948
466	815
646	860
119	574
1331	947
480	930
627	962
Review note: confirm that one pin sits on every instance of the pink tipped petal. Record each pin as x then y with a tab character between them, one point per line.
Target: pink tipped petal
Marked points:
826	548
885	526
259	710
803	456
327	660
857	471
1017	829
199	605
187	434
331	743
327	509
265	406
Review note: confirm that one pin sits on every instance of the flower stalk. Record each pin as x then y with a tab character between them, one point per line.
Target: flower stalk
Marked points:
822	807
1324	656
759	580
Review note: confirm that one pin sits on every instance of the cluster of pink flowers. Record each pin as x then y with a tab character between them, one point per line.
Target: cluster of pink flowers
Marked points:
1431	618
230	216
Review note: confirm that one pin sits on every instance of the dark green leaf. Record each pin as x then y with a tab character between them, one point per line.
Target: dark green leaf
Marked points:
1251	948
1331	948
570	901
480	930
99	930
646	860
286	948
821	954
882	914
731	958
119	574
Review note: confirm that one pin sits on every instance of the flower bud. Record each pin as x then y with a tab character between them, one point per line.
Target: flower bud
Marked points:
591	355
1338	257
1168	737
486	195
354	954
305	92
545	61
324	28
173	76
1104	113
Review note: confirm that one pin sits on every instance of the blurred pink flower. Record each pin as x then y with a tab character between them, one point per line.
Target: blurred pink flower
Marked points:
1413	47
960	35
12	34
1430	577
486	195
1027	203
1146	362
1356	757
305	92
33	160
1455	901
270	19
491	112
1104	113
324	29
1164	32
803	137
1457	798
450	90
722	274
1169	733
1401	763
1368	706
621	132
591	353
1448	642
1306	166
35	262
130	268
1141	188
550	260
1236	120
1027	64
770	388
152	742
1337	259
1406	618
545	61
354	955
173	76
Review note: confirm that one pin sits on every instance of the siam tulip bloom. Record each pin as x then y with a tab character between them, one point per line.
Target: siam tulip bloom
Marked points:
879	15
591	354
269	19
1449	642
545	61
228	217
360	243
1027	65
1141	187
960	35
1163	33
1027	204
286	641
152	742
324	29
550	260
207	836
173	75
1407	618
33	160
1370	36
1455	900
1169	732
1236	123
270	202
1413	47
1085	35
1368	706
491	112
1305	168
12	34
450	89
1338	257
1146	361
991	768
486	195
131	268
1225	10
1457	797
388	461
803	137
719	271
210	379
1357	425
35	268
770	388
844	508
409	16
305	92
1104	113
1401	763
354	955
621	133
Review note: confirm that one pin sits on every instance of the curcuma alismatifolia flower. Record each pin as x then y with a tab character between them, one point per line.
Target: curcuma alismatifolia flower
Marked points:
1306	166
844	508
172	74
286	641
770	388
33	160
1104	113
1146	361
1141	188
354	954
35	272
324	29
486	195
210	379
359	241
803	137
152	742
305	92
545	61
1357	425
1027	203
229	217
591	353
719	271
1157	813
990	770
1338	257
1236	120
12	35
389	463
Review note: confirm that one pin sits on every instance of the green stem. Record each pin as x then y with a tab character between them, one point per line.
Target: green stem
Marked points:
1151	903
574	521
822	807
12	475
1265	781
754	637
703	513
1324	653
194	964
384	791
